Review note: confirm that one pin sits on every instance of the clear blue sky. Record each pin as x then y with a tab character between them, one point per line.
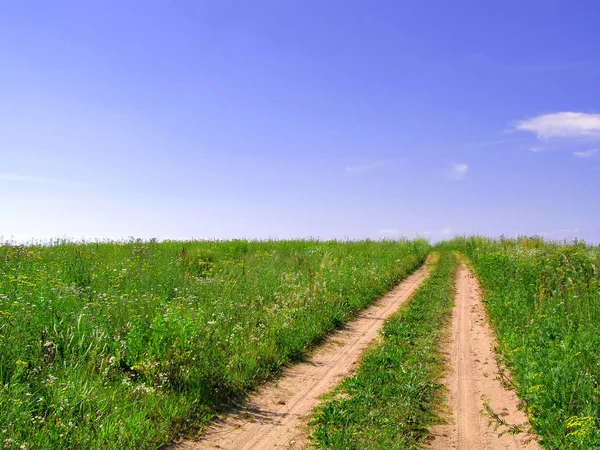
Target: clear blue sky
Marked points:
297	118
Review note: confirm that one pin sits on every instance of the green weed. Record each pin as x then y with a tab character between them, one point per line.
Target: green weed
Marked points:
127	345
543	300
390	402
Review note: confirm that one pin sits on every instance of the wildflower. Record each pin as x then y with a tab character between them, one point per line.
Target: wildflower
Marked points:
143	388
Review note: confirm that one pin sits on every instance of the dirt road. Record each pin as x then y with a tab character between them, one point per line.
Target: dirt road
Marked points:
275	417
474	375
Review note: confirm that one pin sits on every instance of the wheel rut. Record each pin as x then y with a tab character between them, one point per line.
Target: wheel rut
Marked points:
276	415
474	380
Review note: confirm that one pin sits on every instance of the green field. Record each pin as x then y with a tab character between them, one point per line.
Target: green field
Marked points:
126	345
543	300
391	400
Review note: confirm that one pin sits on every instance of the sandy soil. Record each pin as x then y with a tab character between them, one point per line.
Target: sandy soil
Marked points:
276	416
474	375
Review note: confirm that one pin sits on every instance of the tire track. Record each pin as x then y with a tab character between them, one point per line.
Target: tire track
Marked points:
473	379
275	416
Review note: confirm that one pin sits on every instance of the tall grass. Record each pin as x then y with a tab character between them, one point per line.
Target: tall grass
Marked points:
390	402
125	345
544	302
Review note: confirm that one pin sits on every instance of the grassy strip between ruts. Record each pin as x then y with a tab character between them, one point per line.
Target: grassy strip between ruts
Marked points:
389	403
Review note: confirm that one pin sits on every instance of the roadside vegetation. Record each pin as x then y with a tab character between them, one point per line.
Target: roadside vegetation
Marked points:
543	300
126	345
391	400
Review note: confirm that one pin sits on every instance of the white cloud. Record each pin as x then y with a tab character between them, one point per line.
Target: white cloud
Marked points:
390	231
458	171
484	144
444	232
562	124
14	177
586	154
536	149
34	179
363	167
560	233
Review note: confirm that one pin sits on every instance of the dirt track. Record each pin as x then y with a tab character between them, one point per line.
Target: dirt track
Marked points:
474	375
275	417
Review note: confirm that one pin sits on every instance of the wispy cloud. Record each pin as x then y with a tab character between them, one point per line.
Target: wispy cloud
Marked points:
559	66
560	233
536	149
390	231
443	232
458	171
586	153
562	125
484	144
483	60
360	168
38	180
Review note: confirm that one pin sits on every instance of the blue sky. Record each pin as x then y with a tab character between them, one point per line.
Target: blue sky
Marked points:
330	119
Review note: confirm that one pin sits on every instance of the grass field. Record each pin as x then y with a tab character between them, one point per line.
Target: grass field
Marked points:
543	300
125	345
390	402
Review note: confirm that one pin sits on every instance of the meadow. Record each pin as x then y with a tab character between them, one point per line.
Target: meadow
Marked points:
128	345
392	399
543	300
